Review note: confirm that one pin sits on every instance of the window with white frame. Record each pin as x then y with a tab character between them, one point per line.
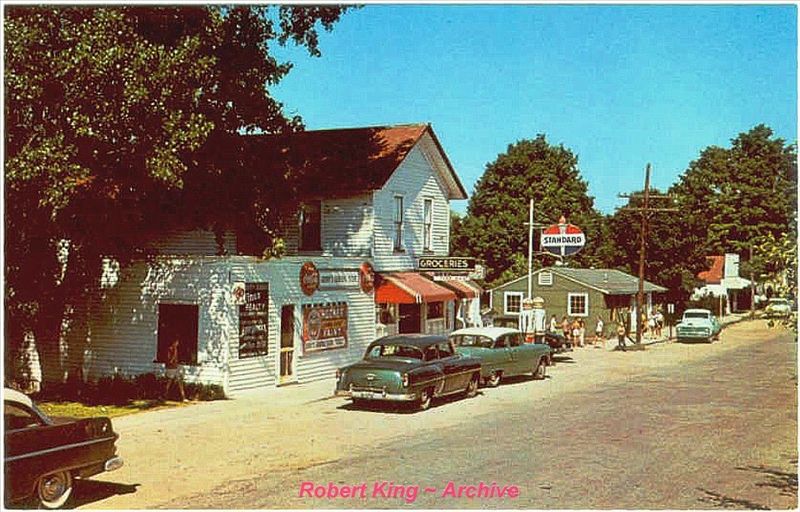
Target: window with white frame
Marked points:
578	304
427	219
398	223
512	303
546	278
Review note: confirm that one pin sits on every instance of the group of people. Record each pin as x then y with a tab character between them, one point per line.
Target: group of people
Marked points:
574	330
654	322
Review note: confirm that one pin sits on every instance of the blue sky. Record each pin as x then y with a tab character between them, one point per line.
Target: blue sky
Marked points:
620	85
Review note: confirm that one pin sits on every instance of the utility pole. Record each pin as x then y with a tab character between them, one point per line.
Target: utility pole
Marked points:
752	284
645	211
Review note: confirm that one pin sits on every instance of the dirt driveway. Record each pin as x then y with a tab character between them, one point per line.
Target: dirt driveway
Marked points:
174	455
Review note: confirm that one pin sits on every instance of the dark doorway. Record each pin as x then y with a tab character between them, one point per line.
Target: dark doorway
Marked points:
410	319
287	344
177	321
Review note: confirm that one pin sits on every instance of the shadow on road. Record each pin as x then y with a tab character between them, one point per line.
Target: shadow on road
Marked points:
720	500
401	407
563	359
90	491
785	482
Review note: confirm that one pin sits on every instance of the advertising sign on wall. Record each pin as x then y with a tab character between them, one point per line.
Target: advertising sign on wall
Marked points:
324	326
253	320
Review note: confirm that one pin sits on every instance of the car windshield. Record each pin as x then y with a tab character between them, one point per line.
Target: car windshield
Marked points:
406	351
472	340
696	314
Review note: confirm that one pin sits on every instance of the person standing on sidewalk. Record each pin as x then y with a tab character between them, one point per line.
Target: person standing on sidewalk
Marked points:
173	371
621	333
598	331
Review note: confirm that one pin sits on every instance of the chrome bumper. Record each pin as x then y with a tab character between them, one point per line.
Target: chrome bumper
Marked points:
377	395
113	463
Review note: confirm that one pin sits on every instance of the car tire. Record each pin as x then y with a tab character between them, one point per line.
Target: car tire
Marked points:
424	400
53	490
472	386
540	370
494	379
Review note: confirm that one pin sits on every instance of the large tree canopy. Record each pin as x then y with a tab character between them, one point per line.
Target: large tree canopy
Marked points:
116	117
495	229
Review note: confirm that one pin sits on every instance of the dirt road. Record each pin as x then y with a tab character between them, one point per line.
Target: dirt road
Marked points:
675	426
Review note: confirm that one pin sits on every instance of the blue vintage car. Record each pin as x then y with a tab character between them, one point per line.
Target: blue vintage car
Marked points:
698	325
502	352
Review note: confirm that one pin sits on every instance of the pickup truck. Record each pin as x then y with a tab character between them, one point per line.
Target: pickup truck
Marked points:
698	325
44	455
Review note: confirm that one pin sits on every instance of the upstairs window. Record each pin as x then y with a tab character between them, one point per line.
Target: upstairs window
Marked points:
310	226
427	220
398	223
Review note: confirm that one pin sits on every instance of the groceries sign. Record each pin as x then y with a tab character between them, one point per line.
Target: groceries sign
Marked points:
563	239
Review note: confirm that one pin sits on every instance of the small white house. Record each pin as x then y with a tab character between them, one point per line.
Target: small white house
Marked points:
349	275
722	280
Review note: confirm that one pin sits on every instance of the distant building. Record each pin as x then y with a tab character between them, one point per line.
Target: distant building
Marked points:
723	280
575	293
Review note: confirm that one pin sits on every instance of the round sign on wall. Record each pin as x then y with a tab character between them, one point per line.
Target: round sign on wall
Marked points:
563	239
309	278
366	277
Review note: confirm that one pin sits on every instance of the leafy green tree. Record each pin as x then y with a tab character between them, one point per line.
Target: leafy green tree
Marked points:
119	120
494	229
733	197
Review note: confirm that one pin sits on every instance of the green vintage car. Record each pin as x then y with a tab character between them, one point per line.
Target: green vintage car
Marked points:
502	352
698	325
411	368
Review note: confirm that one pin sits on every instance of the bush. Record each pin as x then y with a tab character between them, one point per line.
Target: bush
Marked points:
120	389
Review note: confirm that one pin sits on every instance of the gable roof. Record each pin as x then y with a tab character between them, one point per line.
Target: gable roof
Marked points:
607	281
714	274
350	161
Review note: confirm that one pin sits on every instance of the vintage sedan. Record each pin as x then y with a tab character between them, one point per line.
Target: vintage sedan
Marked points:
777	307
698	325
409	368
502	352
43	456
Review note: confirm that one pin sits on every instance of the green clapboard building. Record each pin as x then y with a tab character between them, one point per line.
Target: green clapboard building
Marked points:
575	293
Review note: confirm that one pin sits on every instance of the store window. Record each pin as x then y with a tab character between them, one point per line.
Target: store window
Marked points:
435	310
398	223
427	220
578	304
177	321
311	226
512	303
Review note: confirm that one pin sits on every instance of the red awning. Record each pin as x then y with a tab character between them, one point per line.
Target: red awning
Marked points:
410	288
464	289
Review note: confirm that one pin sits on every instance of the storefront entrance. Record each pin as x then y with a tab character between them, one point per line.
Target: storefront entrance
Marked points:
410	318
287	345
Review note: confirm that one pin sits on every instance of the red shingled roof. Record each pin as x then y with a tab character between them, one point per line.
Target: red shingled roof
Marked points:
714	274
348	161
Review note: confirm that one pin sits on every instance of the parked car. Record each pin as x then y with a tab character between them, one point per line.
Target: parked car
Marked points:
43	455
502	352
698	325
778	307
412	368
557	342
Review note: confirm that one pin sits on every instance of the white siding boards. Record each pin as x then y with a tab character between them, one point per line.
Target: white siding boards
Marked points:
414	181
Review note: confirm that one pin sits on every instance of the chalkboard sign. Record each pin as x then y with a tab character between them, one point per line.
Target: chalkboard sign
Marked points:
253	321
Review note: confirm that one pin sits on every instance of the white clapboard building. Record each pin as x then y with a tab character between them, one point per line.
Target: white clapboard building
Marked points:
348	276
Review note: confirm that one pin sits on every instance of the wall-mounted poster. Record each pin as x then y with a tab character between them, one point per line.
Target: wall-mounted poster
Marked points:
253	320
324	326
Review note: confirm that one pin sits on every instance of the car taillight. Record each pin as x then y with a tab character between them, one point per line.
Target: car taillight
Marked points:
405	380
